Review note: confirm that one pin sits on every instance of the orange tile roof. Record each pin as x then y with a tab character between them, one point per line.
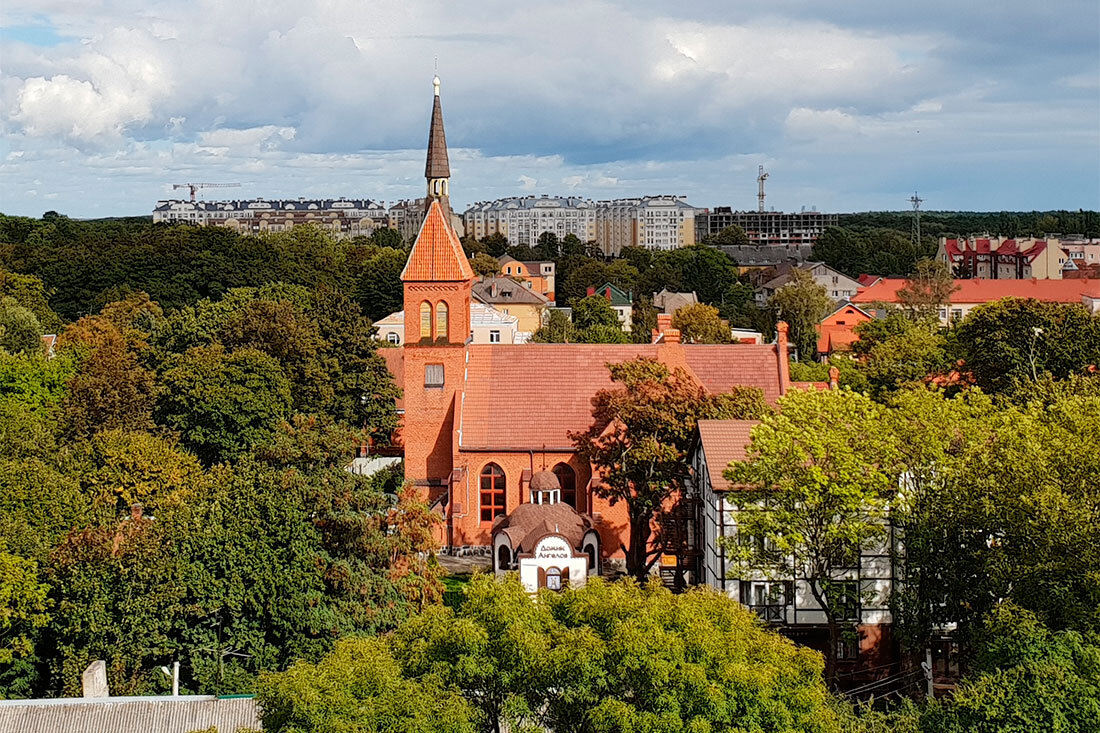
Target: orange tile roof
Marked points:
724	441
983	291
437	255
524	397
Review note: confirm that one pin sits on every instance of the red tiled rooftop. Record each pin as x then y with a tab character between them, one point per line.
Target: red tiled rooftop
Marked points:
724	441
532	395
983	291
437	255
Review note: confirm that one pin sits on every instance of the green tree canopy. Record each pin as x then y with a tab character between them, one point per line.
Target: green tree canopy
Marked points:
700	324
223	403
801	303
817	483
1014	340
20	330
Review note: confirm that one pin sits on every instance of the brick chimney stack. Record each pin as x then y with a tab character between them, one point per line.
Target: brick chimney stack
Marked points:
834	378
672	336
136	510
783	356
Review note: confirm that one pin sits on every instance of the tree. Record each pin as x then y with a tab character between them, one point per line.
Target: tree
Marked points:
643	320
548	247
31	293
1027	679
802	303
731	236
575	281
612	657
700	324
20	331
379	290
359	687
638	441
386	237
112	389
912	355
22	607
817	482
1013	340
484	265
594	310
556	328
928	289
707	271
496	244
223	403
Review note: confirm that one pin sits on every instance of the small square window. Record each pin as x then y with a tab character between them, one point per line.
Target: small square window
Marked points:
433	375
494	337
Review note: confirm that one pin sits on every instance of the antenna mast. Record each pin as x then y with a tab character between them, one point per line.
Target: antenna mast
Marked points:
761	176
914	235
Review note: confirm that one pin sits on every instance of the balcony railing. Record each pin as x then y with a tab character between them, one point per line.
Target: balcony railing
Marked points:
771	614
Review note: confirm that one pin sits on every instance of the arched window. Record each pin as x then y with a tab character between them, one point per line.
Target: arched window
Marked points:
425	320
567	479
553	578
441	321
492	492
504	558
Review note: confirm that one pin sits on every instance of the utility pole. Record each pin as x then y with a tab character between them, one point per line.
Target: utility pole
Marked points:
916	201
761	176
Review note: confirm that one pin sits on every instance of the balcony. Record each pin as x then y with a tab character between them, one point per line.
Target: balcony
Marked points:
771	614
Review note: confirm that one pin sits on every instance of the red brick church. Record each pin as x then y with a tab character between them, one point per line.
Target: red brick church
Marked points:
481	419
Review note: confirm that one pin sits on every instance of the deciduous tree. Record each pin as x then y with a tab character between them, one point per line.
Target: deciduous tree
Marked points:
802	303
700	324
817	484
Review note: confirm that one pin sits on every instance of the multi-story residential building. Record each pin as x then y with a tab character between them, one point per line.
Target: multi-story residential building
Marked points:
653	222
770	228
786	603
536	275
970	293
524	219
838	286
997	258
1082	252
344	217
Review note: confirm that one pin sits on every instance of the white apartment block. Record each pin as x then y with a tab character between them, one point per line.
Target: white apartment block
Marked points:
653	222
344	217
524	219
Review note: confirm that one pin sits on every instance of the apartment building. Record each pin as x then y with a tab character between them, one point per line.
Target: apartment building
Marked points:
344	217
1004	258
523	219
769	228
653	222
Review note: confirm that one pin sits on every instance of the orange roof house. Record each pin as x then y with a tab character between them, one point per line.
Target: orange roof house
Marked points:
479	420
837	330
969	294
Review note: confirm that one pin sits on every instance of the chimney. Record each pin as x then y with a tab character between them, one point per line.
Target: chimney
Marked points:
672	336
834	378
591	290
94	680
782	356
664	322
136	511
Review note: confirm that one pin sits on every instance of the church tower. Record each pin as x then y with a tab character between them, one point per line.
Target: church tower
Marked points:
437	168
437	282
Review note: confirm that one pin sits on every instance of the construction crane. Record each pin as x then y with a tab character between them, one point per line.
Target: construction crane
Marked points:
196	186
760	178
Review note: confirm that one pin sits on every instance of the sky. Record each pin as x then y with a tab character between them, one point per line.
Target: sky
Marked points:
850	106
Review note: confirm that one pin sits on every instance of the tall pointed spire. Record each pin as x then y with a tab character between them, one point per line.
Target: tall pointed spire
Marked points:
437	168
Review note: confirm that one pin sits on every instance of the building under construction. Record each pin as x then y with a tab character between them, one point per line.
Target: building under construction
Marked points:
767	228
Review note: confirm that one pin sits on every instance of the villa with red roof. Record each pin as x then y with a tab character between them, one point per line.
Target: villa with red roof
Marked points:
480	420
969	294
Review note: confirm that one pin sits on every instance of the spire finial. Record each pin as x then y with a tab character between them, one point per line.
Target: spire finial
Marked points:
435	84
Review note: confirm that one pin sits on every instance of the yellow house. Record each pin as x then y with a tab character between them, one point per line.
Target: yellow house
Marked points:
514	298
